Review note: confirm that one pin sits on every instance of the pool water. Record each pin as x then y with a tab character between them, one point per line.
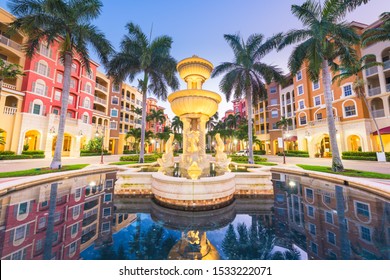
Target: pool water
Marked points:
81	218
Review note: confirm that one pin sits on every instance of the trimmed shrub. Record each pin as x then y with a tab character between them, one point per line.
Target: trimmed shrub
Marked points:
294	154
10	157
37	152
244	159
363	156
38	156
148	158
129	152
260	152
359	158
89	154
6	153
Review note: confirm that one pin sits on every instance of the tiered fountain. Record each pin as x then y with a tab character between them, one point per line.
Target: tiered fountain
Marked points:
195	189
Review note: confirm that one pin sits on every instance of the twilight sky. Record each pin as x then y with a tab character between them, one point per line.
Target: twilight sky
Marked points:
197	26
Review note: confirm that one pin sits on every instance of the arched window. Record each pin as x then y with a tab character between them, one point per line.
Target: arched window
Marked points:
302	118
42	68
85	118
349	108
39	87
87	102
88	87
37	107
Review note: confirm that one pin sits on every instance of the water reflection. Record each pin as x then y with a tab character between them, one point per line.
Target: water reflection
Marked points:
79	218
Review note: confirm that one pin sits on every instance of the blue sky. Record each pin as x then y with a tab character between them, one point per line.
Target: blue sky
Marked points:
197	27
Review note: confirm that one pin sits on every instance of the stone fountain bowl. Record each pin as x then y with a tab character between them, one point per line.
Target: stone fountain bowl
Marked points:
194	101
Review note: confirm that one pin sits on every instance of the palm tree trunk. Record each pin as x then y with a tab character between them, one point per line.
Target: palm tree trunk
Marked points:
337	164
56	162
250	132
373	118
143	121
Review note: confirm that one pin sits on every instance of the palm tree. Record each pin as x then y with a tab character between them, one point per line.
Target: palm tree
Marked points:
323	39
151	59
247	75
136	134
380	33
157	116
69	21
353	70
177	124
2	138
232	121
138	112
9	71
284	123
210	124
163	136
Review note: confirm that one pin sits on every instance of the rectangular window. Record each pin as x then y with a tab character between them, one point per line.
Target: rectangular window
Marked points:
312	229
72	248
38	245
59	78
72	83
317	100
319	116
85	118
114	113
57	95
299	75
274	126
43	69
115	88
310	211
301	104
115	100
23	207
106	226
109	183
302	120
41	222
20	233
55	237
327	199
44	49
331	238
309	193
272	90
274	114
107	212
71	99
365	233
274	101
329	217
76	211
74	229
300	90
113	125
39	88
314	247
19	255
107	197
316	85
77	193
350	111
347	90
362	209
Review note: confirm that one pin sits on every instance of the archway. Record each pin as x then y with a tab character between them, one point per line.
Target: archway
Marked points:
66	146
31	140
323	147
354	143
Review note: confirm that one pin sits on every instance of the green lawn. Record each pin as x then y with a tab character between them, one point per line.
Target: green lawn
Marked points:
347	172
39	171
266	163
123	162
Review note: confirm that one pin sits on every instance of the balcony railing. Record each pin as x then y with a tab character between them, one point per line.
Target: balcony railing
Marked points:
103	88
9	110
371	71
378	113
10	43
374	91
100	100
9	86
322	121
386	65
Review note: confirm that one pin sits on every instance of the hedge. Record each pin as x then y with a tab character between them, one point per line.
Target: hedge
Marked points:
10	157
129	152
295	154
83	154
245	158
6	153
362	156
37	152
260	152
147	158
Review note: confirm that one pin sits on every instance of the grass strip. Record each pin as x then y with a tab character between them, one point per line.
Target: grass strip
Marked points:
39	171
346	172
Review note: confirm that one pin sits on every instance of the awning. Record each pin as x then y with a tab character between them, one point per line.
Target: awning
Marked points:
385	130
291	138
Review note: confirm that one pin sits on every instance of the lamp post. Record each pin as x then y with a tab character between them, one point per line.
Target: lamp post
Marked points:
102	145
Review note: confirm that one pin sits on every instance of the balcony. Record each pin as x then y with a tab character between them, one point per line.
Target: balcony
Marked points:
378	113
288	101
9	86
387	87
10	43
322	121
371	71
100	100
9	110
102	88
374	91
386	65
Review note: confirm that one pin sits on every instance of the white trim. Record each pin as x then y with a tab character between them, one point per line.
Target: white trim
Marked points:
319	86
343	108
356	213
314	100
343	92
303	90
299	104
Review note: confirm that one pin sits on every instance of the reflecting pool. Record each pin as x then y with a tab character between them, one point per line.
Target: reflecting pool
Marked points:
306	218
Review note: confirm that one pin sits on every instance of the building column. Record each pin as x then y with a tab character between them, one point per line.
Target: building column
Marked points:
381	74
385	101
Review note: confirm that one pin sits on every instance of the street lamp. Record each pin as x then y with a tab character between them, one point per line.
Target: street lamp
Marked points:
102	145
